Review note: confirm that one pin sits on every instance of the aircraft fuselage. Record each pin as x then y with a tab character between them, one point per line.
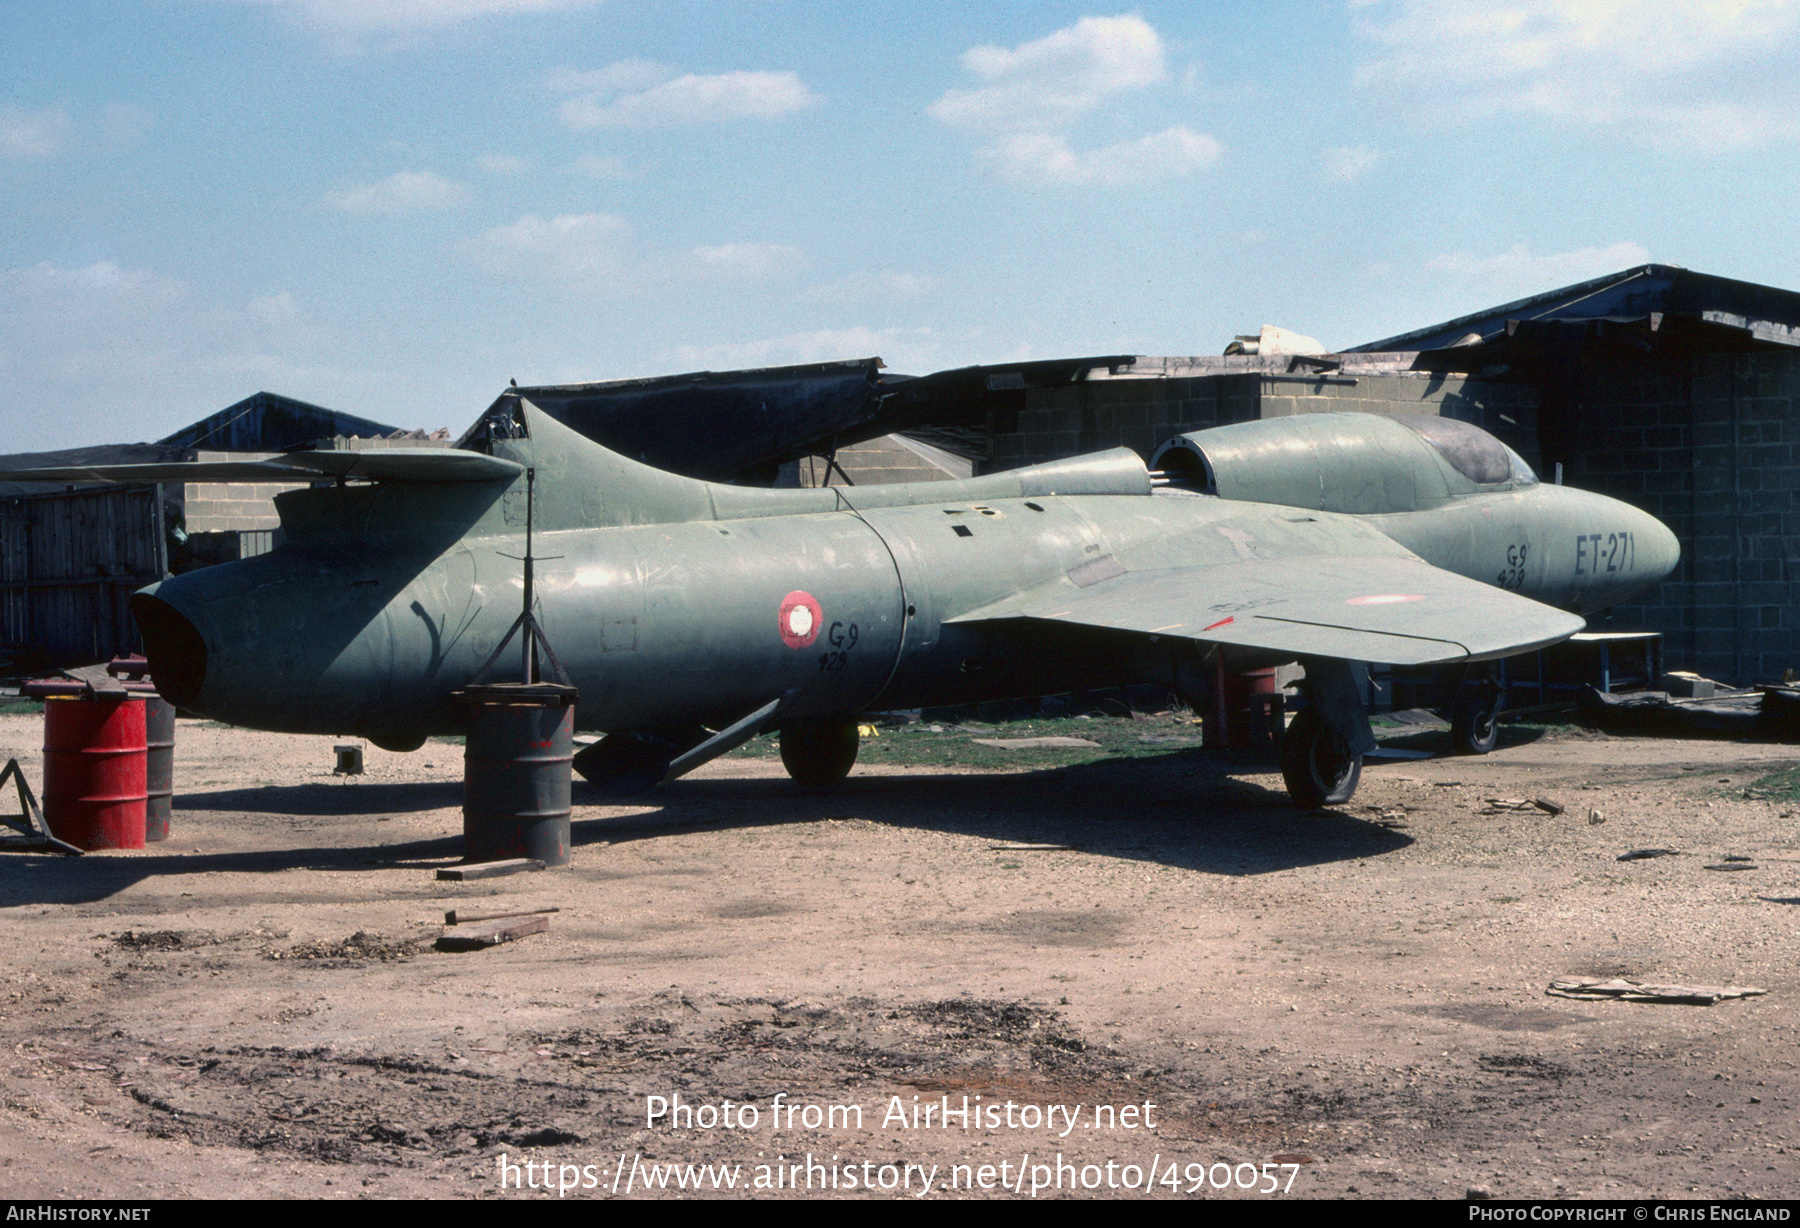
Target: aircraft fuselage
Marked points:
675	604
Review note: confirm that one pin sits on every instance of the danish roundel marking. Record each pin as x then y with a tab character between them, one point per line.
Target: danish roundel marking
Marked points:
799	619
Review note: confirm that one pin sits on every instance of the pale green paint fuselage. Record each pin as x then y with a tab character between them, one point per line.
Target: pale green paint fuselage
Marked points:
664	596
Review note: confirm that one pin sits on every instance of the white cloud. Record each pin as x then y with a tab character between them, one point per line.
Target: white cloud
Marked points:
1516	269
370	16
592	250
129	353
275	310
402	192
912	349
93	286
619	77
1690	73
746	261
598	254
1042	157
1033	92
865	286
643	94
1348	163
1058	78
32	134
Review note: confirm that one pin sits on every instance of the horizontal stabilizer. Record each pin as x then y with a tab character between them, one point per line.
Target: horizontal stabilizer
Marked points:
1395	611
376	464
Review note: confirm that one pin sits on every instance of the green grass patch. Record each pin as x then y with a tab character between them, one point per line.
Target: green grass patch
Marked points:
1782	786
937	744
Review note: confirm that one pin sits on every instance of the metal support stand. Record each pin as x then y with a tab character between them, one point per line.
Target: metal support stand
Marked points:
30	823
516	761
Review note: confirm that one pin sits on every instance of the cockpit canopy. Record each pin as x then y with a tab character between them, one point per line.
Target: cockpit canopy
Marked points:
1362	464
1471	451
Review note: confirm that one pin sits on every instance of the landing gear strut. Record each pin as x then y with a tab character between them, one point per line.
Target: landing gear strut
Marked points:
819	752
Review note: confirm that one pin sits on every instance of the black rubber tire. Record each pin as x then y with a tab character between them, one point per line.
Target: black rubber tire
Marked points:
1316	765
819	752
1475	724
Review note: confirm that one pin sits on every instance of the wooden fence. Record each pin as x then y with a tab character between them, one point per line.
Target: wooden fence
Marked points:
69	562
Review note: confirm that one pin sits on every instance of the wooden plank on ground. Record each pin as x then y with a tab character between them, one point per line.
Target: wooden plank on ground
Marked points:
481	934
456	916
489	869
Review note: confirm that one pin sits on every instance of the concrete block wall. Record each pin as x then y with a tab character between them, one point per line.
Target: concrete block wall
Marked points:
238	507
219	507
1142	414
1713	451
875	462
1506	410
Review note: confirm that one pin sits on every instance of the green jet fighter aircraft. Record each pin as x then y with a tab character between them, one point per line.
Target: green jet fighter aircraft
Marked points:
691	615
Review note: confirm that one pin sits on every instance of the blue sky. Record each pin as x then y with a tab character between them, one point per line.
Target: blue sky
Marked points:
390	207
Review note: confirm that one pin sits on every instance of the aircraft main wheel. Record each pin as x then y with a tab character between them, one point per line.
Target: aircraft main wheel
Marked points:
818	752
1318	768
1475	724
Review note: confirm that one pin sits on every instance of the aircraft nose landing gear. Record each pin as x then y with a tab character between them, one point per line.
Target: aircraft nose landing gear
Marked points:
1475	719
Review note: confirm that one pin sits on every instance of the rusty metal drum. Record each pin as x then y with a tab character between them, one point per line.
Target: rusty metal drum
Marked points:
95	782
516	772
159	766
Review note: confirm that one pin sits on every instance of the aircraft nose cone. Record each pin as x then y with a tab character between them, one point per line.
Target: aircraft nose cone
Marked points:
1661	549
1644	554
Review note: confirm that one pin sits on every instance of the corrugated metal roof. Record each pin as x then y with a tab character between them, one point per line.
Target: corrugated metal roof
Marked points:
1762	313
268	422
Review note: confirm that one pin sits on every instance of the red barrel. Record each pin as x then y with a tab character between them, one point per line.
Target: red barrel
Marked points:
94	771
159	738
1246	713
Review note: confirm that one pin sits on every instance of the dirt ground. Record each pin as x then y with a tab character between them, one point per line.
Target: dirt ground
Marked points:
1147	971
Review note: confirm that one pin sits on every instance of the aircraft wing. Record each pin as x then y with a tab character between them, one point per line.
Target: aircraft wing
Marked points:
1387	609
375	464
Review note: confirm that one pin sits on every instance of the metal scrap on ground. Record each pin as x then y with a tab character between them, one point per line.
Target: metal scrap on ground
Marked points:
1589	989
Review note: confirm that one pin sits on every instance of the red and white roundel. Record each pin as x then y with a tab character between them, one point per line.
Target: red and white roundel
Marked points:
799	619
